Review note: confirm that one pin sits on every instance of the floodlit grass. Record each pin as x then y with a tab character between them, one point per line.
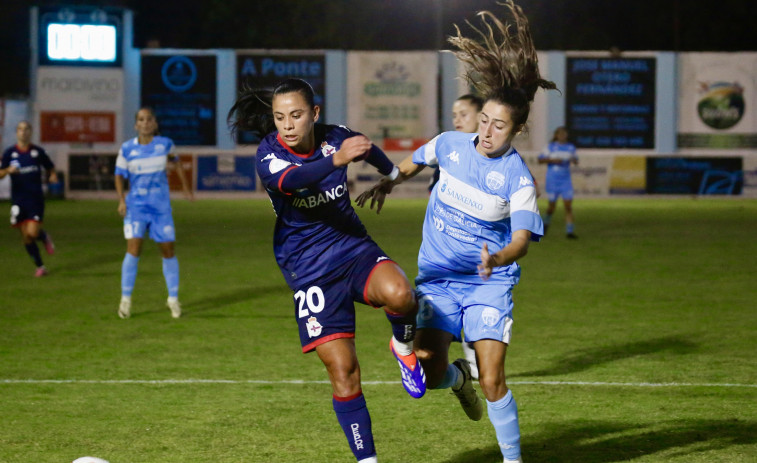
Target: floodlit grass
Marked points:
635	342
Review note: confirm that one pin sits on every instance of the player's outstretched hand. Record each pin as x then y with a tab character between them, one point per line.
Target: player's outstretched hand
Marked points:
351	148
487	263
377	193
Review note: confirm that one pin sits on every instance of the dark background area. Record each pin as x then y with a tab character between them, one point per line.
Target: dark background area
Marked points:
666	25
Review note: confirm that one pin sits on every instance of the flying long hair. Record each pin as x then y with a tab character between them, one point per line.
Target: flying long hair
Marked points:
252	111
502	64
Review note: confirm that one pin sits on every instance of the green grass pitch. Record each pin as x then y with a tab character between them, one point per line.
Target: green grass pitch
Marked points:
636	342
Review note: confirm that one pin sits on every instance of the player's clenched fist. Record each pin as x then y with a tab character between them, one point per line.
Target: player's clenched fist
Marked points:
352	148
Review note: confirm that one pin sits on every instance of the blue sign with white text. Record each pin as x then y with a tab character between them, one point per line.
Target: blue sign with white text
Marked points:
261	71
225	172
610	102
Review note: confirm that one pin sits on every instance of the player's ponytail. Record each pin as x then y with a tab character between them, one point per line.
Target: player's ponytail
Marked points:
252	112
503	65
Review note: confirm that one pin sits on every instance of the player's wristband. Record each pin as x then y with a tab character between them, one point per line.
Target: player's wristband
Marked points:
392	176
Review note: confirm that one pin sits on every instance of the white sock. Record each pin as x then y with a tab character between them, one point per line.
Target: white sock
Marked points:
368	460
402	348
173	299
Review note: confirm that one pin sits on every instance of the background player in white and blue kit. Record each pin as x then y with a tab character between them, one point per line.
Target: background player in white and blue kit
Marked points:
559	154
146	208
323	250
25	162
480	219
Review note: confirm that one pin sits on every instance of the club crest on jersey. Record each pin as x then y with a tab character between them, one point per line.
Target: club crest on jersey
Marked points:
160	149
495	180
454	157
314	328
35	153
14	155
327	149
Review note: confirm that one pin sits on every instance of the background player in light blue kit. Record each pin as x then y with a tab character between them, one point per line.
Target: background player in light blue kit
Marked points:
480	218
25	162
323	250
559	154
147	206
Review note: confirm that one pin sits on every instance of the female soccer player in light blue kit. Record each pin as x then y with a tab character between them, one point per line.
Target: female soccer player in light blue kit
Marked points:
147	206
559	154
480	219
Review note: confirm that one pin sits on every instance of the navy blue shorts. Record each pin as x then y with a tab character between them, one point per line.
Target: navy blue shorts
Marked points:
326	310
23	211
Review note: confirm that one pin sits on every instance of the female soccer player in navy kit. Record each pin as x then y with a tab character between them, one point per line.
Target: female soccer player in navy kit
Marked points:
147	206
24	162
480	219
322	248
558	156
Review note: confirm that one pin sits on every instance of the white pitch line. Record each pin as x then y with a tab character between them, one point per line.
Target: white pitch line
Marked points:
299	381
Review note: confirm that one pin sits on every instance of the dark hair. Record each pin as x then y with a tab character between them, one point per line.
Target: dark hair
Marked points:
503	66
152	111
474	100
252	112
554	134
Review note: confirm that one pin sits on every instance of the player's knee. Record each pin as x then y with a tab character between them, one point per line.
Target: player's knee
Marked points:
400	298
492	386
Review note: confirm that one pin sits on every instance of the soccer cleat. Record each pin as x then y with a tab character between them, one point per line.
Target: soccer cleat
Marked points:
124	308
49	245
466	394
41	271
175	307
413	376
571	236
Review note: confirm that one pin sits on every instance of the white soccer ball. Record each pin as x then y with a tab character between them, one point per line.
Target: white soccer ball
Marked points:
89	460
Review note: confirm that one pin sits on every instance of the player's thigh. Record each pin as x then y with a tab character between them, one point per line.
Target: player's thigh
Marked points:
162	227
487	312
324	311
136	223
388	286
439	307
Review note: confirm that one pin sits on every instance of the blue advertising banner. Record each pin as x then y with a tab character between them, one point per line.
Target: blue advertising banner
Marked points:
610	102
182	92
225	172
695	175
265	70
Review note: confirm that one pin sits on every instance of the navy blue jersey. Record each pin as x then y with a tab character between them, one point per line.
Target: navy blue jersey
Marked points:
26	184
317	230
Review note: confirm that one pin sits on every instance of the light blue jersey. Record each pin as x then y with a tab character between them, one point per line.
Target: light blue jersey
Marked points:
477	200
145	168
558	181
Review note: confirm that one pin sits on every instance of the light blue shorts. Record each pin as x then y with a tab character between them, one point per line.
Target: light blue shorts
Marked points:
559	187
481	311
160	225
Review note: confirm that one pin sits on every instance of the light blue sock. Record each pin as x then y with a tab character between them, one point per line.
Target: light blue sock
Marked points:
569	228
128	274
504	416
450	377
171	273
